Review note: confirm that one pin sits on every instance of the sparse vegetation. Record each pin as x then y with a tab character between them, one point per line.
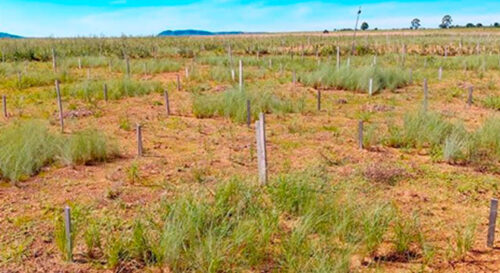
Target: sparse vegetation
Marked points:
192	203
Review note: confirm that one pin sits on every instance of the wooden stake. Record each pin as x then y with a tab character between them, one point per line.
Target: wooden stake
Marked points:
19	78
4	106
492	222
178	82
440	73
59	104
360	135
260	126
67	231
105	92
233	76
370	87
319	100
54	61
127	66
241	75
338	57
426	95
167	102
139	139
469	97
79	63
249	114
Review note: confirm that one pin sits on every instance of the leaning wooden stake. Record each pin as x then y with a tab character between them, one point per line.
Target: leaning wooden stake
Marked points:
67	231
469	97
4	106
492	222
260	130
139	139
59	104
360	135
167	102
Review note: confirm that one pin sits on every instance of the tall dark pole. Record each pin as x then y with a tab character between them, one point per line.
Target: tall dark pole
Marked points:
355	29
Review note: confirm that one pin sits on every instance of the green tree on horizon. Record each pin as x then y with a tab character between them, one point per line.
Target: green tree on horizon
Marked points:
364	26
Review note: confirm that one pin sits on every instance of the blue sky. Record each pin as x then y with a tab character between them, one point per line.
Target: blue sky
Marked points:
66	18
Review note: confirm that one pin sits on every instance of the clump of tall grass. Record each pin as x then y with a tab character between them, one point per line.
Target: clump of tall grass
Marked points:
87	146
117	89
88	61
38	78
150	66
232	103
486	144
446	140
356	79
492	102
28	146
421	129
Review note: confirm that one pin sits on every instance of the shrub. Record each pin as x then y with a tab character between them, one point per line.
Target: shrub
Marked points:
384	173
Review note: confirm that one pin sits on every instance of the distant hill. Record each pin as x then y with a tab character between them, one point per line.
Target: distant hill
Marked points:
189	32
7	35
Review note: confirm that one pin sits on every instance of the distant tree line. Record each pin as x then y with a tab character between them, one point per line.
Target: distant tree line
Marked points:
447	22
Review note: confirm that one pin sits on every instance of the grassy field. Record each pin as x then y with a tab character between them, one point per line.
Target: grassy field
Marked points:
415	199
